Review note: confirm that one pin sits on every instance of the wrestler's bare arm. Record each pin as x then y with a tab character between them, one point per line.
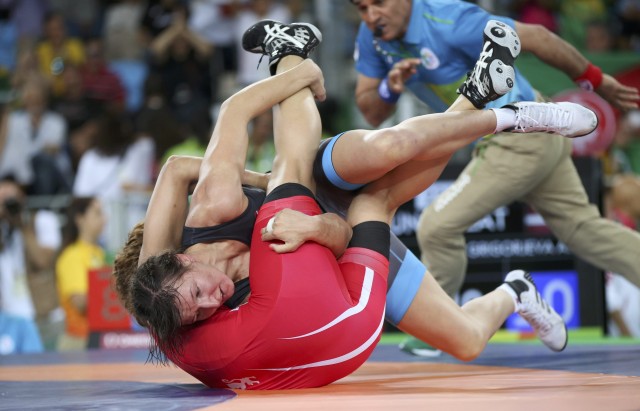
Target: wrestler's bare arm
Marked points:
294	228
168	206
218	196
167	210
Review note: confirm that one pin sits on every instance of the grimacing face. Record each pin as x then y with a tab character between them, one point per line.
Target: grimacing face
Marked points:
387	19
202	290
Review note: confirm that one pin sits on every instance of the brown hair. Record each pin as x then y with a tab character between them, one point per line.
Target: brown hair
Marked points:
154	297
126	264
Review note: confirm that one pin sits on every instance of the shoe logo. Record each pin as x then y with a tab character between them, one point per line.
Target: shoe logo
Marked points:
498	32
510	82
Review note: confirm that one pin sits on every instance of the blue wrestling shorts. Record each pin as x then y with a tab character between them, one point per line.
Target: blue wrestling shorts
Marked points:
406	271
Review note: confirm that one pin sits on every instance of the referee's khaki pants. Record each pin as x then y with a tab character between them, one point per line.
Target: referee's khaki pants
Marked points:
537	169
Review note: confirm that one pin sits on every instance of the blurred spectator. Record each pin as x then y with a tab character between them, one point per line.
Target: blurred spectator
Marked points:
81	253
575	15
81	139
57	51
541	12
181	57
29	243
28	16
301	10
626	147
8	50
121	31
73	104
623	306
628	12
158	16
82	17
253	12
599	37
27	68
117	164
156	120
100	84
214	21
35	137
124	44
18	335
193	136
623	297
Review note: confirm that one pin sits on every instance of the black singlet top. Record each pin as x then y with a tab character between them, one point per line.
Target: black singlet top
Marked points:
239	229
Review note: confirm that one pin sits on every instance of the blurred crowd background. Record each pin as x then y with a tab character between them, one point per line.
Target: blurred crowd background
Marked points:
96	94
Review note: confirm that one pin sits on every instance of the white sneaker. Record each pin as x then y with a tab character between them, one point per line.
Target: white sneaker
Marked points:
493	75
546	322
564	118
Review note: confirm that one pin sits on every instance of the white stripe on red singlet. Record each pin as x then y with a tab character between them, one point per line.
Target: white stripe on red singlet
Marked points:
365	293
337	360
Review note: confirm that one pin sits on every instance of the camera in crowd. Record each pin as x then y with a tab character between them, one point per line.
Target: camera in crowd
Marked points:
13	206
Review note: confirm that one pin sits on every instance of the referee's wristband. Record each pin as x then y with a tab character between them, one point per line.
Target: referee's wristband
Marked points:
386	94
590	79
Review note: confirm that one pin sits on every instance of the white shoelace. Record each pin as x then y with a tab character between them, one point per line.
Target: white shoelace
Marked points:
481	66
277	31
539	316
545	117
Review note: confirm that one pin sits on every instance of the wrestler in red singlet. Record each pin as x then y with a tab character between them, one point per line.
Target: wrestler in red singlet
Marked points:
310	320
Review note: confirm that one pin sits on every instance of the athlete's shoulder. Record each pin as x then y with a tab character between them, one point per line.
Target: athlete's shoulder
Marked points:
446	11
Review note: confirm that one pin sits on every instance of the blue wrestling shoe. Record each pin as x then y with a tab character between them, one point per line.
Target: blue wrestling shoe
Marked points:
493	75
546	322
419	348
276	40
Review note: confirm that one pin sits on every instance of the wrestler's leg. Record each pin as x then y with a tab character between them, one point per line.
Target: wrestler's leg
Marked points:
420	138
432	315
434	136
463	332
218	193
297	132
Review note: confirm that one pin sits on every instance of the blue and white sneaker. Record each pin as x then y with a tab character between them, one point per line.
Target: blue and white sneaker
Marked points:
493	75
276	40
546	322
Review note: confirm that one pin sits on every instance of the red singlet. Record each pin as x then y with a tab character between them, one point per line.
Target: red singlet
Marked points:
310	320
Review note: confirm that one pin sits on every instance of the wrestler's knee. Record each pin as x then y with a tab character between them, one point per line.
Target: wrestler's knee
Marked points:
469	345
397	146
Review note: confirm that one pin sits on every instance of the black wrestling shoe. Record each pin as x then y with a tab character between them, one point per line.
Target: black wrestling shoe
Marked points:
276	40
493	75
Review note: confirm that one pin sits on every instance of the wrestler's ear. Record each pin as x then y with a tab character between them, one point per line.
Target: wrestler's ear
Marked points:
185	258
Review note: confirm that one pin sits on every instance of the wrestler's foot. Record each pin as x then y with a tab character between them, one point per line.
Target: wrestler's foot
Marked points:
276	40
419	348
493	75
564	118
546	322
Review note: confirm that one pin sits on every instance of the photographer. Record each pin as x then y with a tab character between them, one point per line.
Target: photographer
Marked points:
29	243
